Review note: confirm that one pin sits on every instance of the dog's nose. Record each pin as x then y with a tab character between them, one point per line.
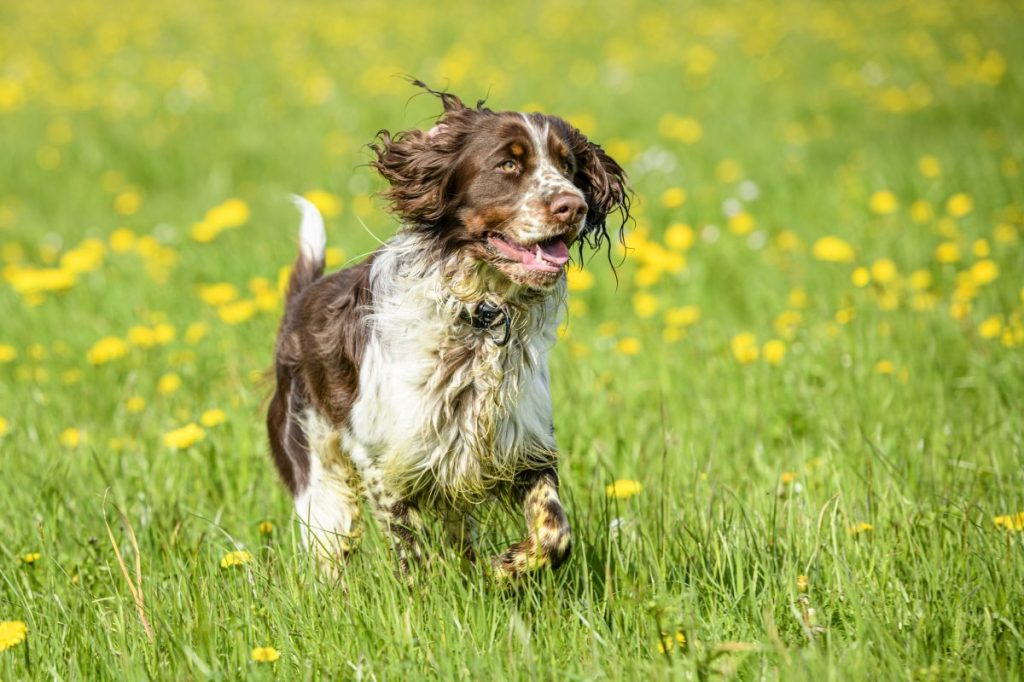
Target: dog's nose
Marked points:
567	208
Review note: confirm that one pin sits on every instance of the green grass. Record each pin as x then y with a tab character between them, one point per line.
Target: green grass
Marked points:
753	474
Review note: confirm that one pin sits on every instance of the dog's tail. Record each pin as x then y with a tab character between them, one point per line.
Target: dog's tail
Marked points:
309	266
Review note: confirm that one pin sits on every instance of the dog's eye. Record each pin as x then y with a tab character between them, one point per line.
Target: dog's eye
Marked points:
566	166
508	166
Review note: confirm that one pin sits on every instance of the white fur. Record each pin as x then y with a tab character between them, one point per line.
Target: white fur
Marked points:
312	235
546	182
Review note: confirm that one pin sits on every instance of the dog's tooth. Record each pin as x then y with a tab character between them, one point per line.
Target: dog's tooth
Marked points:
537	255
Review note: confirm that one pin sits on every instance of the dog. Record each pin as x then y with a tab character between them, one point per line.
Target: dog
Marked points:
418	379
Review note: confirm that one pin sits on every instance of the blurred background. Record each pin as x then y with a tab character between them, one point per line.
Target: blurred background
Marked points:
825	271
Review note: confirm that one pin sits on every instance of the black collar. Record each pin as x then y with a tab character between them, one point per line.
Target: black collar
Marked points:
488	317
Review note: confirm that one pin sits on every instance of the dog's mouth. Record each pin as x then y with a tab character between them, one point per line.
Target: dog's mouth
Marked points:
548	256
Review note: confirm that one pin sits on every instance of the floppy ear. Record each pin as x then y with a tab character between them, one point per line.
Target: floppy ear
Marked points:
419	167
603	183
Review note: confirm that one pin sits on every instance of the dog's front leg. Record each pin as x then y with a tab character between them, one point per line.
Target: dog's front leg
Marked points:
401	523
549	539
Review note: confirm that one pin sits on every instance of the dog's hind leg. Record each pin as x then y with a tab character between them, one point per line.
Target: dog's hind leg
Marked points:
549	540
329	506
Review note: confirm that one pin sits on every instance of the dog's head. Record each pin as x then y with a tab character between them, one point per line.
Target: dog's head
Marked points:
512	190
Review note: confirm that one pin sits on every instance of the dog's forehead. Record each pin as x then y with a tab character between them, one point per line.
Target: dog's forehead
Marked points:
532	132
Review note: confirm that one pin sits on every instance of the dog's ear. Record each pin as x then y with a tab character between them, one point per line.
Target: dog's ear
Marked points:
419	167
603	183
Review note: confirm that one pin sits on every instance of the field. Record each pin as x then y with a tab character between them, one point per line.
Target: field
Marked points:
792	418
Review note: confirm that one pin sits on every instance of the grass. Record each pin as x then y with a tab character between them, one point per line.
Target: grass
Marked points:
832	508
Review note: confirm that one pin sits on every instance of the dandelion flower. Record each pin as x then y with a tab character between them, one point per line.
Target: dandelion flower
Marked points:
12	633
683	316
30	558
236	558
883	271
667	641
1010	522
921	212
991	327
883	202
628	346
195	332
858	528
135	404
623	489
833	250
744	348
168	383
679	237
266	528
947	252
71	438
884	367
4	427
673	197
105	350
742	224
218	294
237	312
774	351
645	304
861	277
959	205
7	353
265	654
984	272
213	417
929	166
185	437
578	280
801	583
328	204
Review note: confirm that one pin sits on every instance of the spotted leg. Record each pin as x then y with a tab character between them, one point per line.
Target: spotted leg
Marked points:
549	540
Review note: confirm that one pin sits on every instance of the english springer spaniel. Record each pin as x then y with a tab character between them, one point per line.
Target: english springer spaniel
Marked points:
419	377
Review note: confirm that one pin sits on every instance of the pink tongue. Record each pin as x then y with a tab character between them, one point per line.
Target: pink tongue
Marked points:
555	251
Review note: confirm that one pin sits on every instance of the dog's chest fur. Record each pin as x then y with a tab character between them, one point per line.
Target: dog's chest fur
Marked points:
441	407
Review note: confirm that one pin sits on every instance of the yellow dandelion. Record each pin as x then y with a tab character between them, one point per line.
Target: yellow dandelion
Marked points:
184	437
328	204
333	257
266	528
981	249
885	367
929	166
742	224
135	404
683	128
127	202
236	558
623	489
8	353
858	528
673	197
645	305
1010	521
921	212
883	202
628	346
861	276
212	417
744	347
683	316
218	294
796	298
679	237
106	350
947	252
774	351
168	383
5	428
667	641
801	583
883	271
578	280
728	171
30	558
122	240
959	205
920	280
984	272
71	438
195	332
833	250
265	654
238	312
991	327
12	633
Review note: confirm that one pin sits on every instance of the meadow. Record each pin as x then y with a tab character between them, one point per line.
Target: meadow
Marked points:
791	417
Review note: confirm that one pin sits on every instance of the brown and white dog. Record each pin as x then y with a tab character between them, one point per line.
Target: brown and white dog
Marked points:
418	379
